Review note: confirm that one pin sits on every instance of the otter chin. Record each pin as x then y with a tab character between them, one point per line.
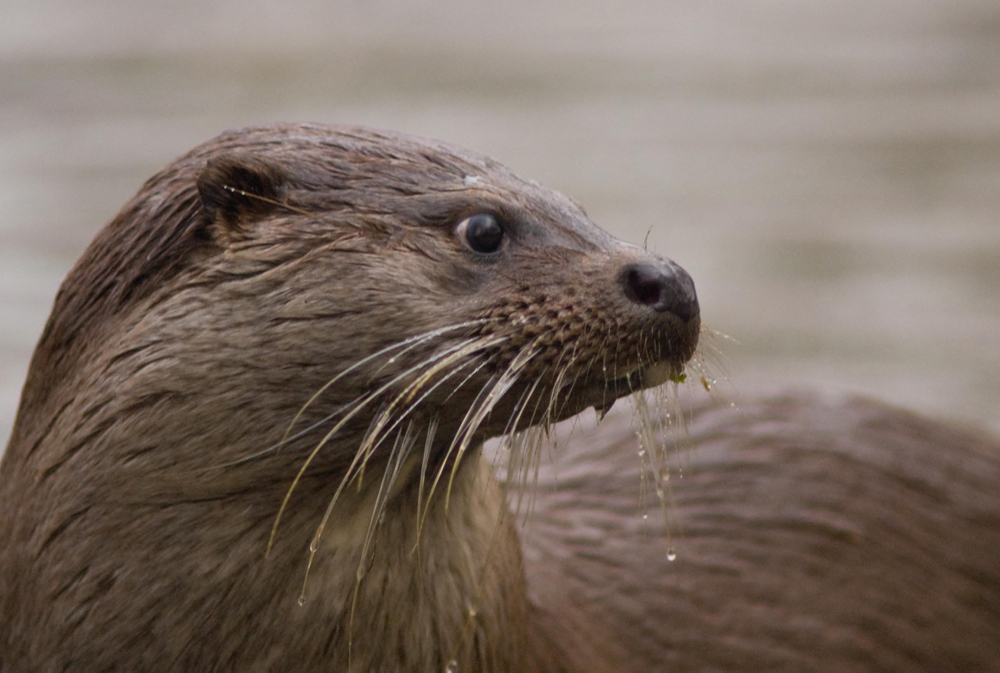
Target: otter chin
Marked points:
251	438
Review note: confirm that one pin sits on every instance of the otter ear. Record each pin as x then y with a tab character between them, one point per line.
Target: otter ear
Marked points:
237	189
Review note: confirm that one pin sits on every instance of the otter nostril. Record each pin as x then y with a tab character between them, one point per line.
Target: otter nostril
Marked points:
662	287
643	284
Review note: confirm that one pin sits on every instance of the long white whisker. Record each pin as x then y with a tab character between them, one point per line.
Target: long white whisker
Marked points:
447	455
428	444
410	343
467	348
336	428
499	389
369	444
400	450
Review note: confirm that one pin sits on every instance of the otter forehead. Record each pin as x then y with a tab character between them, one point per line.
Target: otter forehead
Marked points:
417	180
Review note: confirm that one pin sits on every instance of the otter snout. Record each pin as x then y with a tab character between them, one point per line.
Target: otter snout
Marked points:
662	286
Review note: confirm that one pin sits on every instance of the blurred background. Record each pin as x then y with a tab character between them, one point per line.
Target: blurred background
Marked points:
829	173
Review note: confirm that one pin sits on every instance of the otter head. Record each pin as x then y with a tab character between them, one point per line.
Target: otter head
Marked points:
280	313
346	278
421	284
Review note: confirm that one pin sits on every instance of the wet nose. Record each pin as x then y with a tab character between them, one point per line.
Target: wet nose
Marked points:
662	287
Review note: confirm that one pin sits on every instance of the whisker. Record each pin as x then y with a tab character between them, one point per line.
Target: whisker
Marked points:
428	444
274	202
301	433
473	418
515	418
369	445
400	450
448	453
529	448
410	343
366	399
468	347
504	384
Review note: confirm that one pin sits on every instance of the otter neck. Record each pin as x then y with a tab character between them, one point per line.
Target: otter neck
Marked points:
416	591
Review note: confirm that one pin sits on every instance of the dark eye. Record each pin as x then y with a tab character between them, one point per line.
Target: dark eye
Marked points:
481	232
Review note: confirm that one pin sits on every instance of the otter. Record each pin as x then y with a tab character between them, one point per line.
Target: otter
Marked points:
252	438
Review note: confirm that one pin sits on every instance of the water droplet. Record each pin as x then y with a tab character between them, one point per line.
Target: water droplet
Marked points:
671	554
452	667
302	600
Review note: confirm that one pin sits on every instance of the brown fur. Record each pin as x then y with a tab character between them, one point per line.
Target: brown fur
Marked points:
146	467
812	534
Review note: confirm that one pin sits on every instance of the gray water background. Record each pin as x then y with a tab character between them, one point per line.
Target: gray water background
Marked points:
829	173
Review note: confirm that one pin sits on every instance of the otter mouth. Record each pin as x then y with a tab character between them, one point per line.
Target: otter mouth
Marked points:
603	395
643	377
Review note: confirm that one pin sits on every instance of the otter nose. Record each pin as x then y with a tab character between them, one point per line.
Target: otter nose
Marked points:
662	287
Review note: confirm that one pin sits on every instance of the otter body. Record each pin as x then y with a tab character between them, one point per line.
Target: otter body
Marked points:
251	439
812	533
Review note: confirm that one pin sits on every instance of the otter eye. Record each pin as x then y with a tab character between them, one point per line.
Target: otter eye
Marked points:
481	232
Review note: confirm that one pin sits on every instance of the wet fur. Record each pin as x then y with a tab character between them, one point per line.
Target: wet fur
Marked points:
208	374
812	533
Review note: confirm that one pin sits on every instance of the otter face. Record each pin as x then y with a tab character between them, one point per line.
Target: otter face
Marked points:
472	283
349	280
